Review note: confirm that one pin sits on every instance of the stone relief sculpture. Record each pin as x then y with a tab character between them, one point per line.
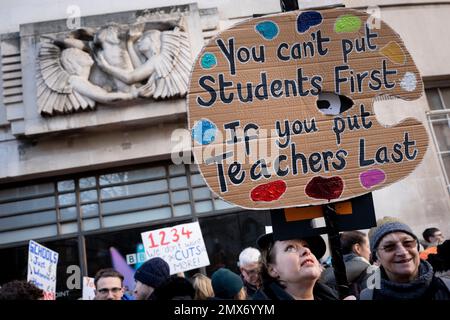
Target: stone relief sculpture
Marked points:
107	42
63	82
73	73
166	67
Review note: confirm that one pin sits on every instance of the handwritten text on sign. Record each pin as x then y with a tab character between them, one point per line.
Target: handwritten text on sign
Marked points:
281	109
181	246
42	264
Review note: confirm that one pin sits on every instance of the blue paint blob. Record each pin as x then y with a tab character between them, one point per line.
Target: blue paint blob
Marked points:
307	20
204	131
267	29
208	60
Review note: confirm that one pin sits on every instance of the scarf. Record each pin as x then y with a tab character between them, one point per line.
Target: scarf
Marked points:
406	291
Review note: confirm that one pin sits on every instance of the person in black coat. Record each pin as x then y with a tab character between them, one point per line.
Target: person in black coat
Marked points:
174	288
290	269
356	251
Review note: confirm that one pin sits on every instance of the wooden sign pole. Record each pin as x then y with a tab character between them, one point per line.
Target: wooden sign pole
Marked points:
329	214
340	273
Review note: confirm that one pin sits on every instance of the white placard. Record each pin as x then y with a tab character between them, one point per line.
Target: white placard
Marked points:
42	264
88	288
181	246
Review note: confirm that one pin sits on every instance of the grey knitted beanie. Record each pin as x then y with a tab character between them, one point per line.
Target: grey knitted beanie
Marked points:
385	229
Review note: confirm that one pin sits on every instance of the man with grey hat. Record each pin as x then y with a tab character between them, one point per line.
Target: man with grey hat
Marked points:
403	275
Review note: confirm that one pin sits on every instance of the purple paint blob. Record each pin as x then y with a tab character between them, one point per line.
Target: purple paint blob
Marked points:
371	178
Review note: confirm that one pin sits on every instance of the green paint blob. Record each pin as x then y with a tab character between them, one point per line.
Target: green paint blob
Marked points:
347	23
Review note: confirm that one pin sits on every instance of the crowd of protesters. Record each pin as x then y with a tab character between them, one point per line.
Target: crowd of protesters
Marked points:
390	263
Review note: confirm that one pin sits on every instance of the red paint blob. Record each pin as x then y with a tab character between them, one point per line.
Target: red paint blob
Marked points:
325	188
269	191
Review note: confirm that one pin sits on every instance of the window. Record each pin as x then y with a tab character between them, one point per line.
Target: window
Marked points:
74	205
226	235
27	212
439	120
14	265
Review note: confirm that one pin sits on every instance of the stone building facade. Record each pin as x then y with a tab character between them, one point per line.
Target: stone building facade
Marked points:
84	176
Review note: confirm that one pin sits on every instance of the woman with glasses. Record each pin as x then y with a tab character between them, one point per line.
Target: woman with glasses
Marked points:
290	269
403	276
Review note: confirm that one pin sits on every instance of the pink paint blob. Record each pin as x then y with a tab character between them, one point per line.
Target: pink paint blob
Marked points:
371	178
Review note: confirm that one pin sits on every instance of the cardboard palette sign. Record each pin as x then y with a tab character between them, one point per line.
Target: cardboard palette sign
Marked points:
281	109
181	246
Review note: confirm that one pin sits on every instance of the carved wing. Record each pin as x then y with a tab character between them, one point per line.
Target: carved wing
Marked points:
54	92
172	70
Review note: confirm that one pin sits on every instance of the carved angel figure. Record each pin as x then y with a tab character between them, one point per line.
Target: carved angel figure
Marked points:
63	81
107	41
166	67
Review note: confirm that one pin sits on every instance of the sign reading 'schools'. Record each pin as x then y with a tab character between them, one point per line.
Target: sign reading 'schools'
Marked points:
181	246
281	109
42	264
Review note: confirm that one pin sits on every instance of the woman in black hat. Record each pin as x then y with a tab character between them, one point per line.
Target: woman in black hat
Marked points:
291	270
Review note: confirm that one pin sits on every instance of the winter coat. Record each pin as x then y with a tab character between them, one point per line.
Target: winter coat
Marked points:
356	270
175	288
274	291
249	288
426	287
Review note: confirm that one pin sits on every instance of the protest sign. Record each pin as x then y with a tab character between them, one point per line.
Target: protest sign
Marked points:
42	264
88	288
281	109
181	246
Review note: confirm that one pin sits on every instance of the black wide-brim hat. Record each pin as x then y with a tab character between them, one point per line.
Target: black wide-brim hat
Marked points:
316	243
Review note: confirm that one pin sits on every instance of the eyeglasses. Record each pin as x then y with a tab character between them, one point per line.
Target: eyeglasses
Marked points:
408	244
105	291
251	271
